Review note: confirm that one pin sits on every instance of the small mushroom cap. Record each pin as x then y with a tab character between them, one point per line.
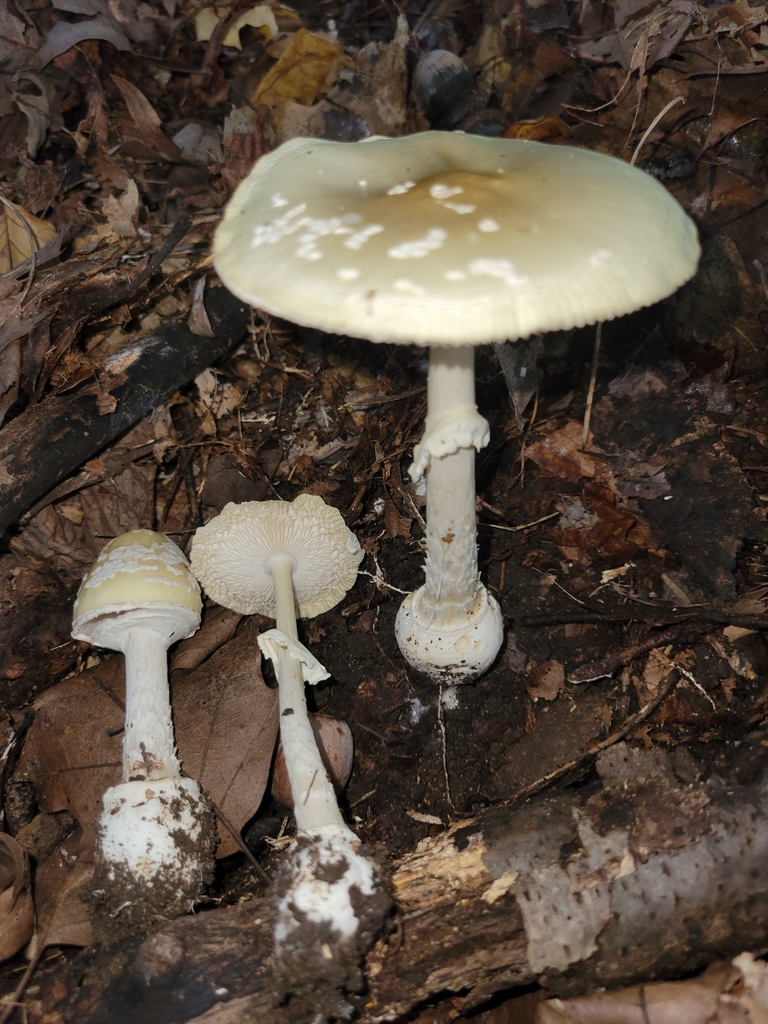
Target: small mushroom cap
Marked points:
451	239
230	554
142	574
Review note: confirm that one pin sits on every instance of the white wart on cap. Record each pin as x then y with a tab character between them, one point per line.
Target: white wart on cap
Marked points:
450	239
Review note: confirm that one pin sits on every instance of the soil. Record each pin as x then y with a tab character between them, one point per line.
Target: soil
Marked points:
631	564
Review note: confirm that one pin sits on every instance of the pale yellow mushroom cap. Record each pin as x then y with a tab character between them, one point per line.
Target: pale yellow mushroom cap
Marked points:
450	239
139	570
230	553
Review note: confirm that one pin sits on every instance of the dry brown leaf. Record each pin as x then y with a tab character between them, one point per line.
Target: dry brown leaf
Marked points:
559	454
546	681
17	911
108	508
198	321
10	371
16	242
66	34
377	94
63	918
724	993
73	750
540	129
395	524
260	17
308	67
122	213
226	727
146	121
218	628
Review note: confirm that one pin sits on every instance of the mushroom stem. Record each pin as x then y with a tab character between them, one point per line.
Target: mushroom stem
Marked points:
452	575
314	798
149	751
451	627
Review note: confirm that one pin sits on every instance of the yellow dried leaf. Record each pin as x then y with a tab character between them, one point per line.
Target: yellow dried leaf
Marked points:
260	17
308	67
15	245
540	129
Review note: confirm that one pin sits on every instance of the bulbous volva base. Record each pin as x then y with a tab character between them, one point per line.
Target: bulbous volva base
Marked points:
456	653
154	855
332	904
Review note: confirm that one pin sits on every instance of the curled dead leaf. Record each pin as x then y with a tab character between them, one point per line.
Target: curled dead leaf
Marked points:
546	681
17	910
308	67
21	234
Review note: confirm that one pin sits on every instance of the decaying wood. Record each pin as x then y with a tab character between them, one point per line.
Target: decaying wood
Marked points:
633	878
50	440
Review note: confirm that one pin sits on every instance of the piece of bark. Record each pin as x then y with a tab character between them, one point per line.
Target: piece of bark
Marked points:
48	441
636	878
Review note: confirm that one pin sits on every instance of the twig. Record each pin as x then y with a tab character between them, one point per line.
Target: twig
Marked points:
524	526
662	617
238	839
591	391
12	1002
651	126
631	723
605	667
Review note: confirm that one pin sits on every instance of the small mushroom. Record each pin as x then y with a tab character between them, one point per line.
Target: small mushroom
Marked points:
450	240
155	836
284	559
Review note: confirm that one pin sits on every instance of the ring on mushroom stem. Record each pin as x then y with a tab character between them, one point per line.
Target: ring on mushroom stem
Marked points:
285	559
450	240
139	597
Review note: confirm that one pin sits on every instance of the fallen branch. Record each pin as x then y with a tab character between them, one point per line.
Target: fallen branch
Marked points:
50	440
634	878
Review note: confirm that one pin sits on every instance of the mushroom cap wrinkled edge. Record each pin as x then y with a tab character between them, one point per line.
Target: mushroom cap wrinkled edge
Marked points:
230	555
451	239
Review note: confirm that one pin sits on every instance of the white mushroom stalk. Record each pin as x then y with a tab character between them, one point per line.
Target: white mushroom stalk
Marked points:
451	627
450	240
139	598
314	797
282	559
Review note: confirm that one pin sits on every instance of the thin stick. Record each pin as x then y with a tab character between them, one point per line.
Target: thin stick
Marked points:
238	839
631	723
13	1002
591	392
525	526
652	125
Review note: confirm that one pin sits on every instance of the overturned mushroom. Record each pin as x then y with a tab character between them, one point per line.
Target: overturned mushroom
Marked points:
450	240
285	559
156	837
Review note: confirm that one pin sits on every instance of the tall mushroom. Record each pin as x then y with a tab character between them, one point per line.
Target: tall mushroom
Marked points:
155	841
284	559
450	240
